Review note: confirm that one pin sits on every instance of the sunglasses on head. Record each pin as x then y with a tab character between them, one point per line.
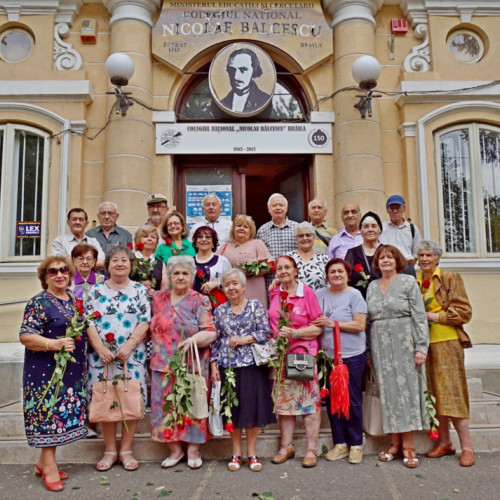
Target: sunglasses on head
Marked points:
54	271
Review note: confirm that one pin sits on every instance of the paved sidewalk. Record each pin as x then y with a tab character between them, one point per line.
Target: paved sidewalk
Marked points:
435	479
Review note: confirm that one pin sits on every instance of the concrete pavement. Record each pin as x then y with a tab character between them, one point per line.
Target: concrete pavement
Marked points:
436	479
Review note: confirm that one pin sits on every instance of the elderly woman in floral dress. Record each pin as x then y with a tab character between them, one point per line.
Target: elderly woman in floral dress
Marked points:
180	316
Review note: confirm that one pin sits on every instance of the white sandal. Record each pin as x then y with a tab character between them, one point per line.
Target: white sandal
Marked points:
106	463
129	463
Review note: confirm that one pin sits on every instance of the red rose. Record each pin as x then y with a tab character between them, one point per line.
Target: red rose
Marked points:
217	297
283	295
434	434
272	267
289	306
168	433
168	241
229	427
130	246
187	421
78	338
96	314
180	426
358	268
324	393
200	273
426	284
139	246
79	304
110	337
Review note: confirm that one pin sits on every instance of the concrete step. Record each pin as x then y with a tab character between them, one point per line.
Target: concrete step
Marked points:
486	438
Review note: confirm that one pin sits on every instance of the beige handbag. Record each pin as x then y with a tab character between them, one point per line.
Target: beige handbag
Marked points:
198	385
372	410
116	400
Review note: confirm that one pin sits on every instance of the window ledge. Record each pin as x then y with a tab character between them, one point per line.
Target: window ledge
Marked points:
473	265
19	269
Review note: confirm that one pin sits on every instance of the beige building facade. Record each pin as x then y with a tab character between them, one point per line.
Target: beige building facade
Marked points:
433	137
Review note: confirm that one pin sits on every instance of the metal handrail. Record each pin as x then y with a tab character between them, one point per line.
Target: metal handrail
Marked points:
11	302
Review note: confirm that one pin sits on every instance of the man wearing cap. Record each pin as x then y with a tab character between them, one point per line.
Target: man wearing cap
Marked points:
157	206
212	207
401	233
109	233
350	236
323	233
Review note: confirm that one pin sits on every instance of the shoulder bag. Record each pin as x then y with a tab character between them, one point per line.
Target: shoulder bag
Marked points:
262	353
299	366
115	400
198	385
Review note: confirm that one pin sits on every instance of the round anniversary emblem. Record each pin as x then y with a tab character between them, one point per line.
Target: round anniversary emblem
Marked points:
318	138
242	79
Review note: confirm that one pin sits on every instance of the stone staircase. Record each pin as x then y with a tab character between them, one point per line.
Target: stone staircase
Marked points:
485	430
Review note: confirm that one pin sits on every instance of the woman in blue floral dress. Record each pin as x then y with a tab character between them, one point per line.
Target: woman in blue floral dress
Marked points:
239	323
117	338
45	319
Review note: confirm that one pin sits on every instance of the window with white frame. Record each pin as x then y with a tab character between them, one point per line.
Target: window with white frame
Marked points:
24	153
469	179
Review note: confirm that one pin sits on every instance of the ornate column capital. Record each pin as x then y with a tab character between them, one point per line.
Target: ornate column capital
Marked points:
349	11
141	11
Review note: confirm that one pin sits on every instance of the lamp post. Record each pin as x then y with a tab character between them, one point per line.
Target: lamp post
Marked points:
366	71
120	68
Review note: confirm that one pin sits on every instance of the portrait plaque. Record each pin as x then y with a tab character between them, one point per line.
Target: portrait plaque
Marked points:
242	78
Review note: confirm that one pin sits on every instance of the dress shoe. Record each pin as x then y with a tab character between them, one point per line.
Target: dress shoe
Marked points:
440	451
171	462
309	462
195	463
281	458
467	458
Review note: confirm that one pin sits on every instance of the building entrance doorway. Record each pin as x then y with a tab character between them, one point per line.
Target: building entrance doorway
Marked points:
252	179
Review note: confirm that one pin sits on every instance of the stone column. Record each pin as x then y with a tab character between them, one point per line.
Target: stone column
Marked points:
357	143
129	152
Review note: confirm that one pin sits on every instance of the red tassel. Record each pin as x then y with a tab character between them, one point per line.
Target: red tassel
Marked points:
339	390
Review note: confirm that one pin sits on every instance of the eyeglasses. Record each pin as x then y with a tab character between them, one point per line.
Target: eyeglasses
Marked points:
54	271
85	259
105	214
204	237
307	235
173	223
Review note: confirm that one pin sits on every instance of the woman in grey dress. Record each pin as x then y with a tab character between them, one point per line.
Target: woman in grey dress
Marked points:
399	337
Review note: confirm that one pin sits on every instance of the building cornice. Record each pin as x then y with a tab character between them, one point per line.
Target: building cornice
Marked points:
64	11
47	90
132	11
351	11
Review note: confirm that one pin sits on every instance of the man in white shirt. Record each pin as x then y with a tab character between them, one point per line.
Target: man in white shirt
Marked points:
350	236
212	207
77	221
401	233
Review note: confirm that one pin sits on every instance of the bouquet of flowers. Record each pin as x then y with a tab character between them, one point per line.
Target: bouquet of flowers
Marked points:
257	266
143	267
216	297
282	344
75	329
366	277
228	395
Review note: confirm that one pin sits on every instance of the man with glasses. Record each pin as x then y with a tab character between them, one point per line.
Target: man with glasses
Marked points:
77	221
108	233
212	207
157	206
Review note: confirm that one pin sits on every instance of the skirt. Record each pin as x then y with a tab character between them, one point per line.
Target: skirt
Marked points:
299	398
253	390
446	379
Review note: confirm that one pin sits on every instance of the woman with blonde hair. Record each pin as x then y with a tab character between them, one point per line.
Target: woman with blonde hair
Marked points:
244	248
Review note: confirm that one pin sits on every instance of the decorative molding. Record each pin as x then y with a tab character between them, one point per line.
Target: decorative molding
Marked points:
414	92
132	11
419	59
64	11
13	12
65	56
407	129
350	11
19	269
47	90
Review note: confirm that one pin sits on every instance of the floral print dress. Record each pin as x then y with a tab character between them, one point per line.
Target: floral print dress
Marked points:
48	316
121	311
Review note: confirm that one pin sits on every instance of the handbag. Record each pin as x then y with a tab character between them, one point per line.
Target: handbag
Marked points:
299	366
262	353
215	423
197	383
372	410
116	400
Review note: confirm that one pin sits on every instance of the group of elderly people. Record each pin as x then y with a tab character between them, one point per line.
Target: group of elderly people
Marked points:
409	322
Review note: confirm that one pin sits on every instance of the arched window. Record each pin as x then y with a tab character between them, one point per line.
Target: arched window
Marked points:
24	164
469	178
289	102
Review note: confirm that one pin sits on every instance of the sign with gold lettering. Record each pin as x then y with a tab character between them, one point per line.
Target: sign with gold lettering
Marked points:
232	79
298	28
